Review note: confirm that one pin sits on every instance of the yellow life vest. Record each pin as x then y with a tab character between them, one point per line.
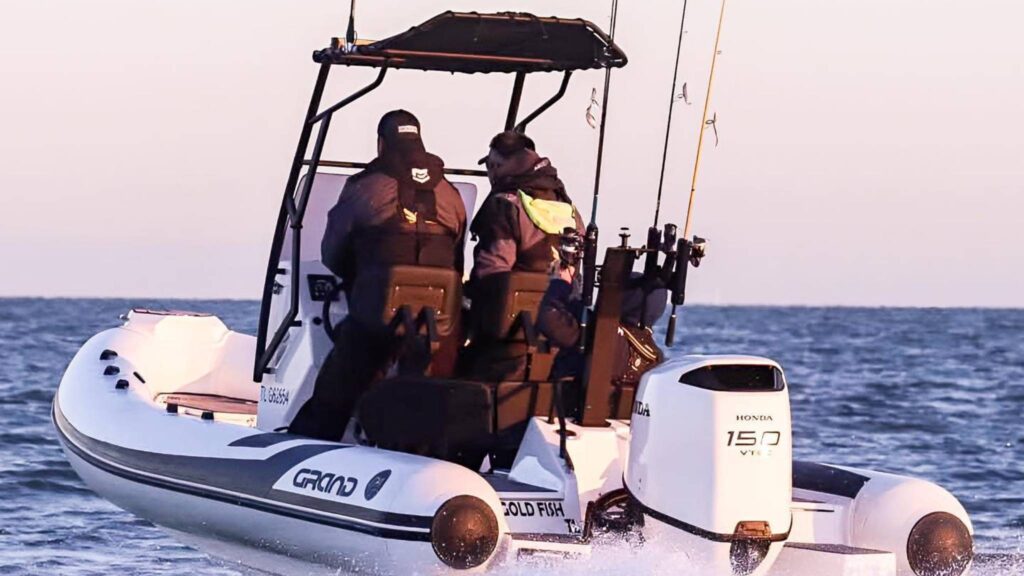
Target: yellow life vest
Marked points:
551	216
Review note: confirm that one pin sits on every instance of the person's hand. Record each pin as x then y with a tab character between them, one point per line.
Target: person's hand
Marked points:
567	273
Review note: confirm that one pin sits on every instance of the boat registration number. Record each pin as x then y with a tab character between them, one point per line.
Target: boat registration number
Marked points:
274	395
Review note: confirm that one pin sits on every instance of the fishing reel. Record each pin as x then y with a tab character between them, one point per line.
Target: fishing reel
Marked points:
680	254
698	250
570	248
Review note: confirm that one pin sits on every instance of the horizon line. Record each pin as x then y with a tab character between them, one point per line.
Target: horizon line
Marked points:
691	305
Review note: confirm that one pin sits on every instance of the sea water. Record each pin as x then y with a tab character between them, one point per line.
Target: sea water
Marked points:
937	394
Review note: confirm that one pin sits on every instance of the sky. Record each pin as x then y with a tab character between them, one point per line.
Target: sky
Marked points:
870	151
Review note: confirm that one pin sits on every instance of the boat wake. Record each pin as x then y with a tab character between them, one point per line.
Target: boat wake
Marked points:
621	558
999	565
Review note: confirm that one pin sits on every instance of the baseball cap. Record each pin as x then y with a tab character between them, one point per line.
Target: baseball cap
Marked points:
400	127
509	143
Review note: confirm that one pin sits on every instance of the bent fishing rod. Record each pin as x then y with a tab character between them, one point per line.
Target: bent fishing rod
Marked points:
703	126
691	251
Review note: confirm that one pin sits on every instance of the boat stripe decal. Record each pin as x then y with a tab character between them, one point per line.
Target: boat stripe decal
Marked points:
835	549
265	440
700	532
244	476
550	538
827	479
414	528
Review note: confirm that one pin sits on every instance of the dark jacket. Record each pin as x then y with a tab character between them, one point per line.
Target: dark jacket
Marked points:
558	321
558	318
508	240
394	214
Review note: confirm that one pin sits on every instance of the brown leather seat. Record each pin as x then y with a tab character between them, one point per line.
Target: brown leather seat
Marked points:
504	342
414	288
507	296
462	420
421	307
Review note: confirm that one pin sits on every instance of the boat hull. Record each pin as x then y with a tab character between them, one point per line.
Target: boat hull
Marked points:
127	415
231	486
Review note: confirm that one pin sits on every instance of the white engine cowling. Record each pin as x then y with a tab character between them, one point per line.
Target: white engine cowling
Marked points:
710	461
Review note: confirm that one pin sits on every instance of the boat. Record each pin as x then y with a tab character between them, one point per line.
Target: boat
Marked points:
183	422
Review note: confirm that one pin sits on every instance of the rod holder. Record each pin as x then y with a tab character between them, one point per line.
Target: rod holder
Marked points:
653	247
669	238
670	332
678	287
590	264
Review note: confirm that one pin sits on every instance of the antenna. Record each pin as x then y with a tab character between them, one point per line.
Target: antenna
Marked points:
671	106
350	34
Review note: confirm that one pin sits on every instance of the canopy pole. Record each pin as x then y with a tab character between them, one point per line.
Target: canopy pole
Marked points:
671	108
517	97
703	126
521	127
261	360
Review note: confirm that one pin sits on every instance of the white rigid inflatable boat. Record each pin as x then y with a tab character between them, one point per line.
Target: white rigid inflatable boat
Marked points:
165	417
159	417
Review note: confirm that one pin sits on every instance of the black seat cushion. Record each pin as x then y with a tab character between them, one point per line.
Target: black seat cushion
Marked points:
446	419
456	420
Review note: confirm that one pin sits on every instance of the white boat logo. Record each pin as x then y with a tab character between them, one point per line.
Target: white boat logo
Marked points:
375	484
326	483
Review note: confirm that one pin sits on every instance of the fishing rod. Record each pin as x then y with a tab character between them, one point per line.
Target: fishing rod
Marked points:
604	116
656	243
703	126
687	250
592	234
671	107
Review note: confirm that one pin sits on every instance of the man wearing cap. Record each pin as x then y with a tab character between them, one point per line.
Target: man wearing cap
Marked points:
400	210
518	229
519	225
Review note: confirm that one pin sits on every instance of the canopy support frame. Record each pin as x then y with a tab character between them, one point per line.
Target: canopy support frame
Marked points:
295	200
292	212
521	127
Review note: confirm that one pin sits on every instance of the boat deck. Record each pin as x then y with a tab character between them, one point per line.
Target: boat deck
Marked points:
209	403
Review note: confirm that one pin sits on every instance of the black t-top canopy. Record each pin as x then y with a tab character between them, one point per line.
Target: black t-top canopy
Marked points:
470	42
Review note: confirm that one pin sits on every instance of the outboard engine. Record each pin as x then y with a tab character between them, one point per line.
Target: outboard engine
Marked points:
710	462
